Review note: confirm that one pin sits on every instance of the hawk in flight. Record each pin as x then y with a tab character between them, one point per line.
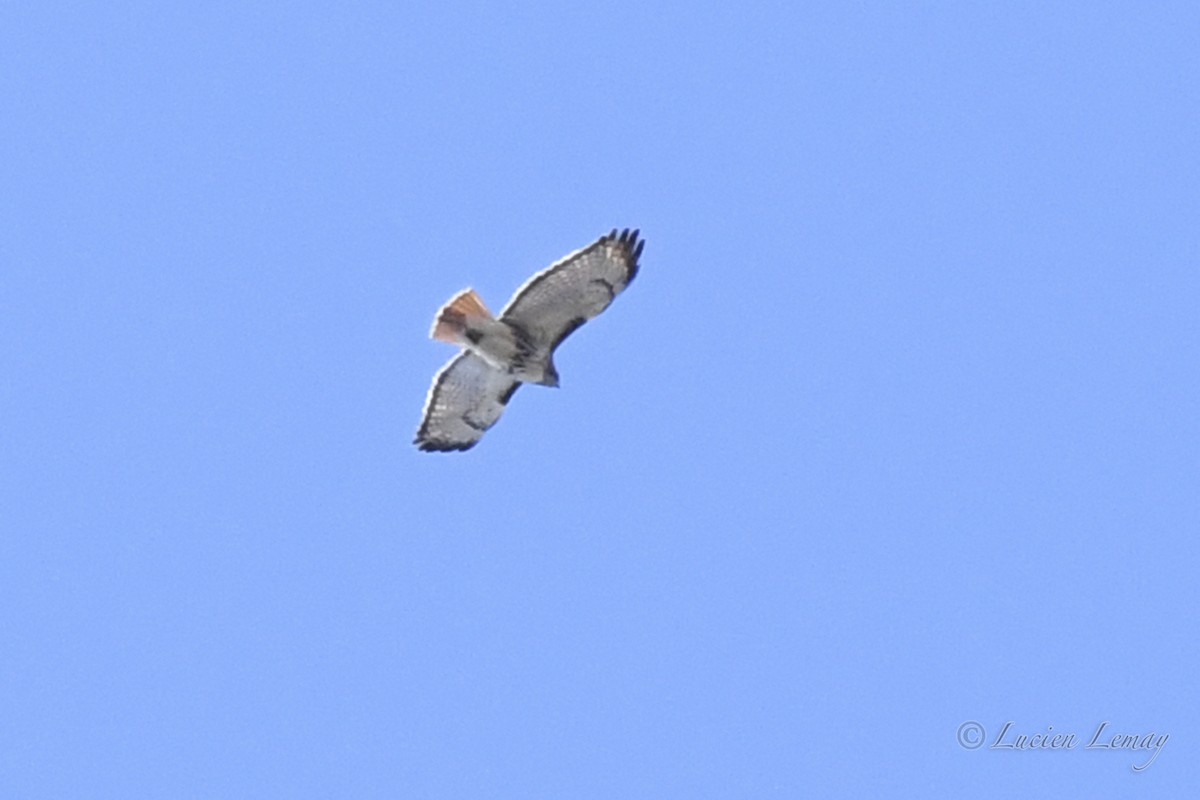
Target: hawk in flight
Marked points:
499	354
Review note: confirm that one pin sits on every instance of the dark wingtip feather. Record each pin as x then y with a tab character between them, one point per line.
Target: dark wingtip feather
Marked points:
426	445
433	446
633	249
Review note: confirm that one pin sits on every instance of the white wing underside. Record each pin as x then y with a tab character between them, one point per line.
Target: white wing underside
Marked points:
573	290
468	395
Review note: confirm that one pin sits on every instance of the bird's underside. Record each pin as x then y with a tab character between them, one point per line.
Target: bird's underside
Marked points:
470	392
505	345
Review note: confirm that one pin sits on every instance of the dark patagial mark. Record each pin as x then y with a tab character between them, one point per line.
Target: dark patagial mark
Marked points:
507	394
570	328
523	337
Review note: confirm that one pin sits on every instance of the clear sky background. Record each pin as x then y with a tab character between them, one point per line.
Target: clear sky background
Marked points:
897	429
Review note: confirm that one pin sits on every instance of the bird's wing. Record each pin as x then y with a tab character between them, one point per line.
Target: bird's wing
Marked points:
556	301
468	395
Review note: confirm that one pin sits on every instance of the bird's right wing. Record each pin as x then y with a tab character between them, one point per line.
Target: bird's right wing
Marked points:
468	395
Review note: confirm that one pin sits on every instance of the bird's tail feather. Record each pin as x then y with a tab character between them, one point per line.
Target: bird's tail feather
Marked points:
464	312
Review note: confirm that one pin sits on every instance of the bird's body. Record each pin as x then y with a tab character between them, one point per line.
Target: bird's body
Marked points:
466	321
499	354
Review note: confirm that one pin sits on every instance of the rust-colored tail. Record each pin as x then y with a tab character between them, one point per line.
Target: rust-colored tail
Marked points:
465	311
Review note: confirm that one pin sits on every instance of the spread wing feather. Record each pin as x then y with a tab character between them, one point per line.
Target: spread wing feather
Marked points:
567	294
467	397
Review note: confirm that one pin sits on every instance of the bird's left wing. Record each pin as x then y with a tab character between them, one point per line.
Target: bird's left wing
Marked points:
468	395
559	299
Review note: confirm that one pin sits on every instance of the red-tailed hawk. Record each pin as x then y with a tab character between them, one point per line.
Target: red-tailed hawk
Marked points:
469	393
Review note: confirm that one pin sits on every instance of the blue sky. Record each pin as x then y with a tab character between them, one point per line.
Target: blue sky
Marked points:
897	429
